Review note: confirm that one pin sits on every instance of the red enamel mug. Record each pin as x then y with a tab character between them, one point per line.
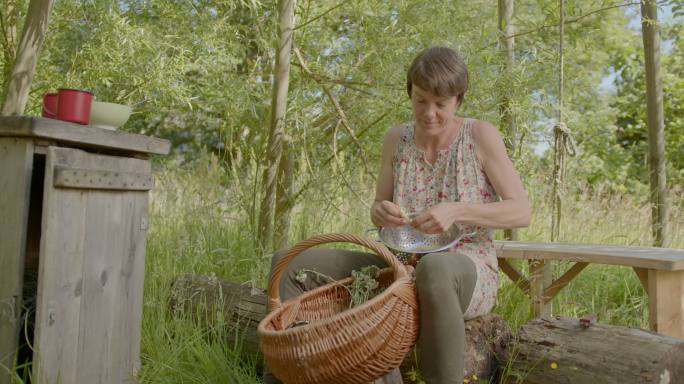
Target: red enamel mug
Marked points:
50	105
74	105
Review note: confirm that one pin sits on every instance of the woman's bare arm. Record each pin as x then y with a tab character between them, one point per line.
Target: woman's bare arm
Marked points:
384	212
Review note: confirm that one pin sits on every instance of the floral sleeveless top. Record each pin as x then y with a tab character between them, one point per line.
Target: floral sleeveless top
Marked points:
456	175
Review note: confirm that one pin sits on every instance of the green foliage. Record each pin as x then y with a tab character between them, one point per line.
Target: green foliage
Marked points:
618	153
199	74
364	285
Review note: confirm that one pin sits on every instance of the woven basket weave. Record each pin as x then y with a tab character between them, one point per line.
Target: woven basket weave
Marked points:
337	344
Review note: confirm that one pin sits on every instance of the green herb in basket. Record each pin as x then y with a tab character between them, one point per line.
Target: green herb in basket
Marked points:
364	285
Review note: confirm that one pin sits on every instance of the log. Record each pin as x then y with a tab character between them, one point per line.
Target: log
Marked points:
560	350
242	306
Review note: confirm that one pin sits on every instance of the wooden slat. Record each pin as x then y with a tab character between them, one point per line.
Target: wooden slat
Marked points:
81	135
666	302
641	257
101	292
16	161
80	178
515	275
60	288
551	291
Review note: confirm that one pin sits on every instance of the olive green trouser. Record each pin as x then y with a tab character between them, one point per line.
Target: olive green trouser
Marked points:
445	282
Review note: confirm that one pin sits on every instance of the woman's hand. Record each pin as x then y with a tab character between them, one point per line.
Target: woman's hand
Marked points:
387	214
436	219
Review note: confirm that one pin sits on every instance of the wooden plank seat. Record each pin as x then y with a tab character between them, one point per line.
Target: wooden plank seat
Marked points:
660	270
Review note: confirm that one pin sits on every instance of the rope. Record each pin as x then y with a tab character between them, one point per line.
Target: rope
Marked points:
564	143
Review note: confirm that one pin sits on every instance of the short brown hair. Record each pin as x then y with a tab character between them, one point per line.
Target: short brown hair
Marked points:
440	71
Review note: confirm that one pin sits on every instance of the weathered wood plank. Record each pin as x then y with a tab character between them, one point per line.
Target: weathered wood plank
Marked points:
16	162
60	287
641	257
105	262
131	266
666	302
102	179
82	135
558	350
104	220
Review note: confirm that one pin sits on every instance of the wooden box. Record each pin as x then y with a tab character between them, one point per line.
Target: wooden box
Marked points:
74	213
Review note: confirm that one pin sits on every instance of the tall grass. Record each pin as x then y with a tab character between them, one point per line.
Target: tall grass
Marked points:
202	223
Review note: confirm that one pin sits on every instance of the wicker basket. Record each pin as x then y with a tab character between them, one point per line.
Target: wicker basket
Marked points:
315	337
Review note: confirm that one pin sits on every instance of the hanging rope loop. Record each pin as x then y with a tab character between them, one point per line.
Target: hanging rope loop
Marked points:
567	140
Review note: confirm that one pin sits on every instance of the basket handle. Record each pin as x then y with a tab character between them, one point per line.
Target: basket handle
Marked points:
379	248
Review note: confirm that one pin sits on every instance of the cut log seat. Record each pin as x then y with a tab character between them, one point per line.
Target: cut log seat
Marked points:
559	350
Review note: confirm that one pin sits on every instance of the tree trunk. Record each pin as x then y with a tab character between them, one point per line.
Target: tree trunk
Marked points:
284	199
277	129
508	124
9	15
558	350
656	130
28	51
242	308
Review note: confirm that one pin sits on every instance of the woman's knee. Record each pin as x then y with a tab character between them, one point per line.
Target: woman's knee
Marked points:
438	269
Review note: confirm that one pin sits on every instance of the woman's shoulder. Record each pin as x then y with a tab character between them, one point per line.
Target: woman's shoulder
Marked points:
483	131
487	138
397	132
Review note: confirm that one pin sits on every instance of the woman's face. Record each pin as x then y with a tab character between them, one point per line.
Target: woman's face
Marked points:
432	113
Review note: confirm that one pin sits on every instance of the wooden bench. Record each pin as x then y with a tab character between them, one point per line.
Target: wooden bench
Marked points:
660	270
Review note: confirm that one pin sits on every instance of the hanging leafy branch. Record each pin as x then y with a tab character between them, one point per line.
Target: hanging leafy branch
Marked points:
340	112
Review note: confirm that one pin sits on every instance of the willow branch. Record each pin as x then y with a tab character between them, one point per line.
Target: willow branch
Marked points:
311	20
338	108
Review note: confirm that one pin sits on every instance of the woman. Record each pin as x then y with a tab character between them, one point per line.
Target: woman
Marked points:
444	170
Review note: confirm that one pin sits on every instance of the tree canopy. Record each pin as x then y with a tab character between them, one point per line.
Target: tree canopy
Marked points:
199	73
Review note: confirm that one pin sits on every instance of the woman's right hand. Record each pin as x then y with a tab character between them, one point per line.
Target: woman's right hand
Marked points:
387	214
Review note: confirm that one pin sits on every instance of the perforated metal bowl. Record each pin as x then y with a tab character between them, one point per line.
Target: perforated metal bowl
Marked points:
407	239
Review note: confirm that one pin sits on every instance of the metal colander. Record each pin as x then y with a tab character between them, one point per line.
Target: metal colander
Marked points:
407	239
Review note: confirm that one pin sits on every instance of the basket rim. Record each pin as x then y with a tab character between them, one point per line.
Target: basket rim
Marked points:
262	330
399	270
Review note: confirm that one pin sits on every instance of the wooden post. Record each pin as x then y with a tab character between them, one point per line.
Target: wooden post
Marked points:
538	283
508	125
656	135
666	302
16	159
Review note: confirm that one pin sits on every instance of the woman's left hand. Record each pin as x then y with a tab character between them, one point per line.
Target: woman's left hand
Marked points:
436	219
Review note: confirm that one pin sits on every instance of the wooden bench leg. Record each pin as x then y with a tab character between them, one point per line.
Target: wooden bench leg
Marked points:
642	273
666	302
540	279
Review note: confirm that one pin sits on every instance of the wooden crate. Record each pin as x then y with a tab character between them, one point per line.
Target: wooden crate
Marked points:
73	207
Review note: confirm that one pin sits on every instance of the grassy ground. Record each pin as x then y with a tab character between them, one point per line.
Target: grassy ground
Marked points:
202	227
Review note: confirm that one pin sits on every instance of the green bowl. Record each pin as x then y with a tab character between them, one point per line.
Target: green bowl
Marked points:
109	115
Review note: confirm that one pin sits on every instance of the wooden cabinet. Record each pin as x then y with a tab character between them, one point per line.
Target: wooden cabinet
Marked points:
74	215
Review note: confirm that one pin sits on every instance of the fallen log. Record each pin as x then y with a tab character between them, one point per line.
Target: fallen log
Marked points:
561	350
240	308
